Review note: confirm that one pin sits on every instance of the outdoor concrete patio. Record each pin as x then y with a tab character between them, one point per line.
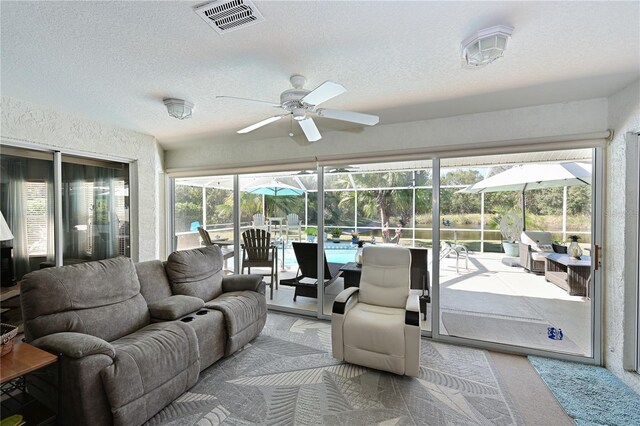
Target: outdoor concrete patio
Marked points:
490	301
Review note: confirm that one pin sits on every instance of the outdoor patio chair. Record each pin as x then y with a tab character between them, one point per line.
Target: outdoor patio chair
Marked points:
293	222
534	247
260	253
378	324
260	222
307	257
204	235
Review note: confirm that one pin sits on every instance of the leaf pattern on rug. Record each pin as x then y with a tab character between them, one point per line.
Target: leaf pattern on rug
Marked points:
214	417
336	402
309	408
354	394
454	382
302	325
290	377
282	406
176	410
451	398
190	397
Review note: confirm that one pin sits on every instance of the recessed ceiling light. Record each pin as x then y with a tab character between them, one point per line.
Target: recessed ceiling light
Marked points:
485	46
178	108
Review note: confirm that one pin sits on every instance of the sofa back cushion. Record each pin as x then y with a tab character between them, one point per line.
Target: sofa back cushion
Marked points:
100	298
196	272
154	284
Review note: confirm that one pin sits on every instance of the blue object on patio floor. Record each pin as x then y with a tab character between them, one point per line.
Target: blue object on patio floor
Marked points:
590	395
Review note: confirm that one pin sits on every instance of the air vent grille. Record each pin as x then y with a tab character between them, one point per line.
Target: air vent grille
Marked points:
229	15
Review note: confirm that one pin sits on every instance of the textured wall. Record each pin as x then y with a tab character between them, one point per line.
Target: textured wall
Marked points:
530	122
624	116
52	129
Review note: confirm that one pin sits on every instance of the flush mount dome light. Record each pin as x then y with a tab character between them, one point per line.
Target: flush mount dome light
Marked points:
178	108
485	46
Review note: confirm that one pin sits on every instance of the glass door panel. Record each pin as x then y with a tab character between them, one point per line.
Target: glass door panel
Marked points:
285	205
379	203
26	203
500	284
95	210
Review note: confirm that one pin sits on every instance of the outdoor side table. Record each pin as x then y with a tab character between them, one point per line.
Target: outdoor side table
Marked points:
351	273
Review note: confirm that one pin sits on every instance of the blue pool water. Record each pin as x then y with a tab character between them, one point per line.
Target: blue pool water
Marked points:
337	253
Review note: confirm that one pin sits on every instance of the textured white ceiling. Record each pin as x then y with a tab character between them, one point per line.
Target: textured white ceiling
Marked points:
115	61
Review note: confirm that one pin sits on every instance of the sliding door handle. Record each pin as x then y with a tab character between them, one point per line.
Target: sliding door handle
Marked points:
596	257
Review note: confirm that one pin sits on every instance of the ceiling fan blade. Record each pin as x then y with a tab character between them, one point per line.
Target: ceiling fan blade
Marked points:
324	92
250	100
261	123
310	130
354	117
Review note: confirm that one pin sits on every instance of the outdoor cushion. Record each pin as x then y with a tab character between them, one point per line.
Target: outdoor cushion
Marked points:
162	355
196	272
540	241
173	307
539	256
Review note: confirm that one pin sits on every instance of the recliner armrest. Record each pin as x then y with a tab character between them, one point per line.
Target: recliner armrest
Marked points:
412	308
74	345
250	282
173	307
342	300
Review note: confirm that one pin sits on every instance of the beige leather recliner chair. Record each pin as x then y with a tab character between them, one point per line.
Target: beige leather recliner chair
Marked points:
378	325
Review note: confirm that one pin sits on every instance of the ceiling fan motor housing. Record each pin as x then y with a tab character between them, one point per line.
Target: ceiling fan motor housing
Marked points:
291	99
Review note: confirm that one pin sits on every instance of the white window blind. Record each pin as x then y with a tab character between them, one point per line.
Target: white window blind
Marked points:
36	211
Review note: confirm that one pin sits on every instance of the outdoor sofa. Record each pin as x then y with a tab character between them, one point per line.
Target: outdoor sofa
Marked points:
533	248
134	337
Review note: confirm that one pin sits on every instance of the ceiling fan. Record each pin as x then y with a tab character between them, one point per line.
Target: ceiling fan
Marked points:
300	103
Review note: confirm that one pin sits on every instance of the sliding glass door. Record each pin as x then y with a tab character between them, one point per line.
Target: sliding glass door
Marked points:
27	205
512	227
95	209
93	212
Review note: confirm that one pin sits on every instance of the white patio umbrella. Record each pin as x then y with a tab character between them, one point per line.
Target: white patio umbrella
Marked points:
534	176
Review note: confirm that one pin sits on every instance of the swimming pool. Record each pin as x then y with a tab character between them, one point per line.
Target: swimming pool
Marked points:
344	252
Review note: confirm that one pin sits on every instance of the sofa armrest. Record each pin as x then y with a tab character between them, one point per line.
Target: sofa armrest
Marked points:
74	345
412	310
250	282
173	307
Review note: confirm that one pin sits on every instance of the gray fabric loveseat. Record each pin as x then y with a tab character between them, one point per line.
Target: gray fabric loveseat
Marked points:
134	337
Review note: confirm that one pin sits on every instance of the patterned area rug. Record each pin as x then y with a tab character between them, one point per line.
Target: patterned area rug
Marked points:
287	376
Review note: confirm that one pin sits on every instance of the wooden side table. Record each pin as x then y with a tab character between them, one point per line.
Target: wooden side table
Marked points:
23	359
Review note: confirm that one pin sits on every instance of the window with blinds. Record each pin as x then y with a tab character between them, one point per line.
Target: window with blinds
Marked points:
36	214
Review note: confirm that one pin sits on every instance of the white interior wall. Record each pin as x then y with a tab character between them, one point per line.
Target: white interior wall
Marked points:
50	129
623	116
568	118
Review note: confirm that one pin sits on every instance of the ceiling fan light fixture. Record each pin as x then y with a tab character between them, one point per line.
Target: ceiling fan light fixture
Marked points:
485	46
178	108
298	114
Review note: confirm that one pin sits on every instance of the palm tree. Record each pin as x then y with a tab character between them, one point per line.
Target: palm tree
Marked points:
391	196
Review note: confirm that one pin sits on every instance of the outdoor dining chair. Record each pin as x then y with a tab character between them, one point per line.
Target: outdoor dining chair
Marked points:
260	222
260	253
293	222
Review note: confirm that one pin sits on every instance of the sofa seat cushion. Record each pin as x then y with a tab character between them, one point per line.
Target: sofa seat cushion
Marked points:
245	313
377	329
150	358
174	307
196	272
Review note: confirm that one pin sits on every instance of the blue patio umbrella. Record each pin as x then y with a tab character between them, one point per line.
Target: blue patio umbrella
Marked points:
274	188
